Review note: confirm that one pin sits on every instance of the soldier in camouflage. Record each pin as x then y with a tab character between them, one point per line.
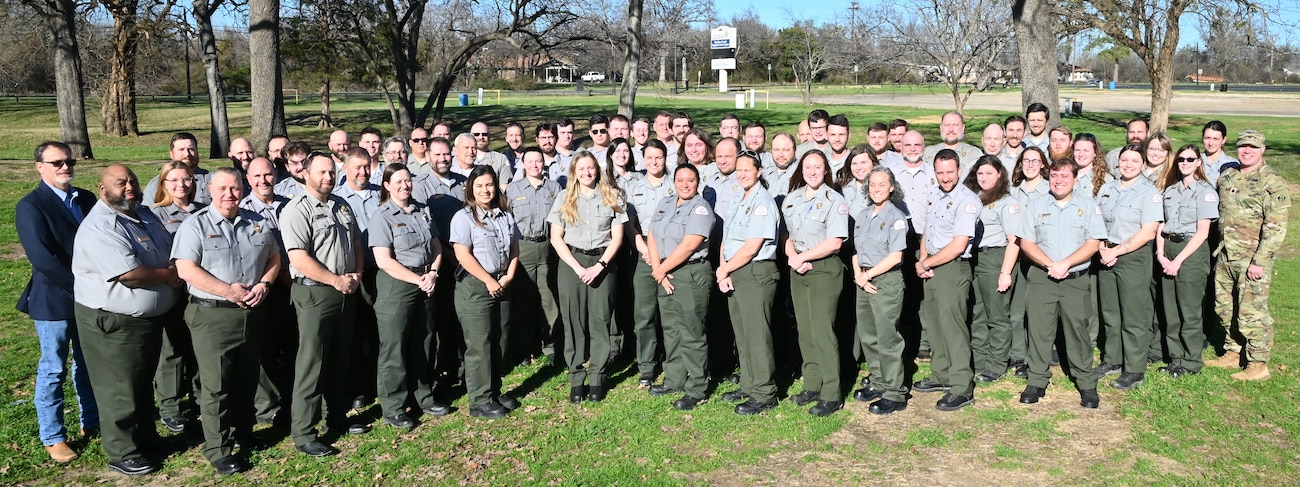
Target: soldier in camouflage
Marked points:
1253	216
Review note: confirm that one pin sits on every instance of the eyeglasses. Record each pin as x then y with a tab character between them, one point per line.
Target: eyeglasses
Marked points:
600	131
420	141
1027	161
62	162
1186	159
179	180
479	134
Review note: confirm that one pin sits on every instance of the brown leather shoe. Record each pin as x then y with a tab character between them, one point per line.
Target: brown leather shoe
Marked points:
61	453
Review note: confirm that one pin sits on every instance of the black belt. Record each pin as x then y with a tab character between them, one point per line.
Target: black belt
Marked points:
1177	237
213	303
595	251
695	261
1075	274
308	282
537	239
422	269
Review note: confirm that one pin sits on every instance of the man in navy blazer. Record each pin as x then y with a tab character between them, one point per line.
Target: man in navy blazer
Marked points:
47	220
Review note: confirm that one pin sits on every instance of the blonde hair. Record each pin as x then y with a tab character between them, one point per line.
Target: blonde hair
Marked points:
163	197
609	194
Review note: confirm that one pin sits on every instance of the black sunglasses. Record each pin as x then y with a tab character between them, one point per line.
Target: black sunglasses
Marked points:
62	162
420	141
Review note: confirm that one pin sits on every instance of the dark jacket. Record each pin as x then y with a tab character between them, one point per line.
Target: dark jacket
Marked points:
46	229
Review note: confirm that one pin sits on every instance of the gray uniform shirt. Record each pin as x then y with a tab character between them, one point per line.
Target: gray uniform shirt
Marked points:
1213	169
725	189
417	167
489	242
530	205
642	198
812	219
1126	210
498	162
966	155
1026	195
363	203
672	222
1184	206
999	220
172	216
595	220
876	234
407	232
778	180
201	194
327	230
1059	230
951	215
109	244
918	185
752	216
290	188
237	251
444	198
857	197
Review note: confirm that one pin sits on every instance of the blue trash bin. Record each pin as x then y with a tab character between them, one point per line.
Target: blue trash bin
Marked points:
464	99
1112	86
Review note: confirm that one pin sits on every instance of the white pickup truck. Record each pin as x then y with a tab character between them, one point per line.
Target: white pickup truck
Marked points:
593	77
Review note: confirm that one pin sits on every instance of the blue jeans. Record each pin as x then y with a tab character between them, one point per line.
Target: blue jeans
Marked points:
57	338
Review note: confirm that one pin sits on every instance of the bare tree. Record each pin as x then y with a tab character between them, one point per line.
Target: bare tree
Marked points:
60	17
632	59
220	127
805	47
954	41
264	67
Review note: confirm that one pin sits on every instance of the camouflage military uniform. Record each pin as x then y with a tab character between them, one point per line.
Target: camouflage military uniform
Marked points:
1253	217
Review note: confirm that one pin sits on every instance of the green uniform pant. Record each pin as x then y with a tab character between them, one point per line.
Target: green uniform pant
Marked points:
1236	296
177	374
1127	307
914	294
279	346
1184	303
1019	315
405	345
588	311
816	295
645	316
227	343
877	330
751	320
484	322
944	310
1064	302
683	311
121	355
990	327
533	303
320	369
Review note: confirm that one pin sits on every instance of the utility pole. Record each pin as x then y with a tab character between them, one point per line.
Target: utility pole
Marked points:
189	88
853	19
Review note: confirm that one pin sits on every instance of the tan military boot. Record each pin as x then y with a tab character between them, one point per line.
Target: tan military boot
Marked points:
1254	371
1229	360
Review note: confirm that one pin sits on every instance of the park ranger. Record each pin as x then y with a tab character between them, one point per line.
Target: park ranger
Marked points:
324	243
678	250
124	285
228	257
1060	236
643	196
1132	208
747	275
279	340
1183	254
945	248
534	311
1253	205
879	238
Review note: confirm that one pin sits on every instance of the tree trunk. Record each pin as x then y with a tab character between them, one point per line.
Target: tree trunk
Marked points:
1033	24
118	104
438	96
325	121
264	70
631	60
60	19
220	132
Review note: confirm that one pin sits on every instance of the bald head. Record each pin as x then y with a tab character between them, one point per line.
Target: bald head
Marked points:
993	139
119	188
339	142
241	153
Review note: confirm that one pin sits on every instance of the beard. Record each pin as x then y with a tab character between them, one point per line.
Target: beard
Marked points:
121	204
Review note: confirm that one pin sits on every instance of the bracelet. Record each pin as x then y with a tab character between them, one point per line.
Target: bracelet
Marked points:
602	263
1005	273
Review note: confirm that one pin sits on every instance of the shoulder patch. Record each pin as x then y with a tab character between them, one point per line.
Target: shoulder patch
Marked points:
900	225
1155	198
843	209
972	208
701	210
760	210
1014	209
1097	208
1211	197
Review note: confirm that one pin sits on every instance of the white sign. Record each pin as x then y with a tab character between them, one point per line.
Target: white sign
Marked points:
728	63
722	37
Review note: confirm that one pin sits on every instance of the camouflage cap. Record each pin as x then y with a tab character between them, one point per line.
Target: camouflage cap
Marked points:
1251	138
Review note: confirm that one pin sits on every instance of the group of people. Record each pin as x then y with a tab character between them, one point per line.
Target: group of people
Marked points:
291	288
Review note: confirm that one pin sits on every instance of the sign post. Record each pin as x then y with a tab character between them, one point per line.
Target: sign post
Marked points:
722	46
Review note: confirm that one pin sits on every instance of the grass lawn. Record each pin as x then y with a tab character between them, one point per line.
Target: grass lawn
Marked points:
1200	430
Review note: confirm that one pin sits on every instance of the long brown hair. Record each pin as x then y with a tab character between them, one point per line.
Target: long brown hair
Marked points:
844	176
796	179
1000	187
1172	175
499	202
164	198
389	171
1018	175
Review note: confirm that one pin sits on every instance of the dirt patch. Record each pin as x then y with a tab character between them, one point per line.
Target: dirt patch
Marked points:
997	441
